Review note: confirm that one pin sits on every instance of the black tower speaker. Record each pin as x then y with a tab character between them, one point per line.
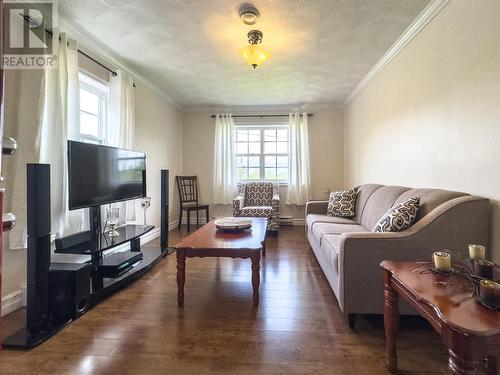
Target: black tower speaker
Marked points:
164	212
38	327
38	228
69	291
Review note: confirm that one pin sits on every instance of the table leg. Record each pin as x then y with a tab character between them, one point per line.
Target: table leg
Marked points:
264	248
256	278
461	366
391	323
181	276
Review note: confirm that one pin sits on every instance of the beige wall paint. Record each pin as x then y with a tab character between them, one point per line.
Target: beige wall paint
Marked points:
432	117
326	152
158	132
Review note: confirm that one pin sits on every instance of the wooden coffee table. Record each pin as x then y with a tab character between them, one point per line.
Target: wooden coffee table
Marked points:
470	331
210	242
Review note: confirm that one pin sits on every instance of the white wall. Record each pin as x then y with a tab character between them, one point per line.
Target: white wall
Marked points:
326	148
432	117
159	134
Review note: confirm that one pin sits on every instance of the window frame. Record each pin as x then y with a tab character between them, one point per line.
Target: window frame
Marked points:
261	155
97	87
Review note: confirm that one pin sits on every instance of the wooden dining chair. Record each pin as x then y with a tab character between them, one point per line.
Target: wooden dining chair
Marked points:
188	198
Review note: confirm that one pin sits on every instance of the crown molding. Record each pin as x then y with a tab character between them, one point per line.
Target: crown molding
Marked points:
429	12
262	109
103	53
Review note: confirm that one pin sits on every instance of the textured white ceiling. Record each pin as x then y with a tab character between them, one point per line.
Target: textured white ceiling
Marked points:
320	48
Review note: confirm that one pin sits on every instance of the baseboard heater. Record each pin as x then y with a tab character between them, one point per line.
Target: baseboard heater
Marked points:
286	220
117	264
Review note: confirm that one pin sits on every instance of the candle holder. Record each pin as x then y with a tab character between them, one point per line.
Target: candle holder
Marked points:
477	252
489	294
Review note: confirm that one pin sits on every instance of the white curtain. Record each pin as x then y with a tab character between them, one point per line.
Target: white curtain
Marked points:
27	88
121	129
121	126
224	183
299	180
61	121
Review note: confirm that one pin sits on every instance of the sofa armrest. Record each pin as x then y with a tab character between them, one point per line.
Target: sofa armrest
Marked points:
452	225
316	207
238	203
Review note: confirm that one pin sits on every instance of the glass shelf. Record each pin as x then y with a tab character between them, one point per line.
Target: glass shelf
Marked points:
127	233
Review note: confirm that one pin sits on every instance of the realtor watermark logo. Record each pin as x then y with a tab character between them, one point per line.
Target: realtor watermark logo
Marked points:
31	40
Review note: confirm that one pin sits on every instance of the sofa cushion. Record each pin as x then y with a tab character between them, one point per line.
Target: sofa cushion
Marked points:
364	193
379	202
429	199
398	218
342	203
331	247
311	219
320	229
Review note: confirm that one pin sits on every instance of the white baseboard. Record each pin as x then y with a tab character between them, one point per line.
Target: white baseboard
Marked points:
12	301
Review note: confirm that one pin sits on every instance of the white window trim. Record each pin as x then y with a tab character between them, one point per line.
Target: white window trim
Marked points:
261	154
97	87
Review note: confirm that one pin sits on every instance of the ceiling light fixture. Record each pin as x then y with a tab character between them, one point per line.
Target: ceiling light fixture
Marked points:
249	14
254	54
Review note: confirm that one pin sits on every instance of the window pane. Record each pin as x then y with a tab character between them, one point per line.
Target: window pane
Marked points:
271	173
253	173
254	148
282	135
242	173
89	124
254	161
242	148
282	173
242	135
270	161
269	135
269	147
282	161
241	161
254	135
282	148
89	102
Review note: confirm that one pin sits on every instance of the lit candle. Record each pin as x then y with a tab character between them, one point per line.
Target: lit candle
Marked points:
477	252
489	291
442	261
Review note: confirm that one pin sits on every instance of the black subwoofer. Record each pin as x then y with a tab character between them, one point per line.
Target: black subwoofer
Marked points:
69	291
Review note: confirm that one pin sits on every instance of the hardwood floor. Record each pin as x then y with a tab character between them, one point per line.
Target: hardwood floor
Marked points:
297	329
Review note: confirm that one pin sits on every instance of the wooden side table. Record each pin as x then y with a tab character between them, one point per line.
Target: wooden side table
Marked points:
470	331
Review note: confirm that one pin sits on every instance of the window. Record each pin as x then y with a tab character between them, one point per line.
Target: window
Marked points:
262	153
93	109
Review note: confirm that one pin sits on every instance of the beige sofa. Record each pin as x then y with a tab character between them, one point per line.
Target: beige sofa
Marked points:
350	254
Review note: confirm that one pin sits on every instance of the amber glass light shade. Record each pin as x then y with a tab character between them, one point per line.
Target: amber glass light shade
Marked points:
255	55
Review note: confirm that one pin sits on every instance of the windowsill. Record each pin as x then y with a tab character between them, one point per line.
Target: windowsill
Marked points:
280	183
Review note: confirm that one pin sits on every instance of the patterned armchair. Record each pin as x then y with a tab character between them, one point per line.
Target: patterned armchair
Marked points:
259	199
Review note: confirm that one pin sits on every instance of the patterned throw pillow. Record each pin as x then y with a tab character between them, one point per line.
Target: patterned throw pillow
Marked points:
342	203
400	217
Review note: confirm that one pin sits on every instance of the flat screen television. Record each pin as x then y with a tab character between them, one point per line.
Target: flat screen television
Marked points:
100	175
